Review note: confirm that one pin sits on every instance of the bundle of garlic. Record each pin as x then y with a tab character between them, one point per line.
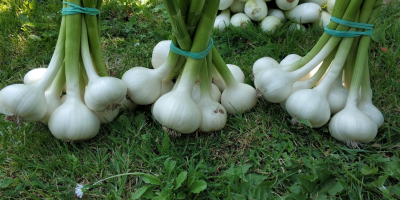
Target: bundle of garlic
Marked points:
270	14
340	49
91	97
186	106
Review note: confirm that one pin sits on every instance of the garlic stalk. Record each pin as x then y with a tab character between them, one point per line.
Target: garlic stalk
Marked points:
101	92
237	97
73	120
312	104
213	114
28	101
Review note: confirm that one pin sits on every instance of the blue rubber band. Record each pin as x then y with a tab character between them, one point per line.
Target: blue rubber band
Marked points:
194	55
75	9
368	27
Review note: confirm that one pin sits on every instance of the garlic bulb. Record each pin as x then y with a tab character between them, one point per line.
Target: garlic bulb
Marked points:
274	84
107	115
34	75
330	5
256	9
238	98
352	126
289	59
166	86
324	20
270	23
187	120
214	92
222	20
310	105
240	19
25	101
365	105
263	63
224	4
100	92
237	6
3	108
213	115
337	96
286	4
321	3
160	53
73	120
277	13
304	13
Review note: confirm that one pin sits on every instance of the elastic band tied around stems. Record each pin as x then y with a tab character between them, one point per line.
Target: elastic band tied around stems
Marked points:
75	9
194	55
368	27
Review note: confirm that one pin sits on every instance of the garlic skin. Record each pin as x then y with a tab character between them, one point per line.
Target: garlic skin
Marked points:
371	110
286	4
187	120
25	101
256	9
73	121
34	75
214	92
289	59
337	96
160	53
144	85
103	91
3	109
108	115
238	98
213	115
309	104
352	126
329	6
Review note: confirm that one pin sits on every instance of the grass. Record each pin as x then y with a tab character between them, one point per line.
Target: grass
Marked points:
258	155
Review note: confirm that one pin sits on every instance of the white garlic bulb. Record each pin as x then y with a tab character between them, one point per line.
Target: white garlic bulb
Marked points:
107	116
214	92
160	53
34	75
238	98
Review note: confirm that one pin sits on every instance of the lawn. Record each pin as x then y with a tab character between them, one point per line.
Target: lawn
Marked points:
260	154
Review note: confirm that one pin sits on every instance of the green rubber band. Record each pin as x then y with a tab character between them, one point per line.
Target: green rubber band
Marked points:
197	56
368	27
75	9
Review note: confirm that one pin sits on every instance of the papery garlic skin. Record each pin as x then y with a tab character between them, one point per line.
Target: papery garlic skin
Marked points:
139	77
107	115
270	23
237	6
256	9
127	103
224	4
240	19
3	109
53	102
160	53
187	120
239	98
352	126
222	20
34	75
213	115
166	86
73	121
25	101
214	92
103	91
310	105
277	13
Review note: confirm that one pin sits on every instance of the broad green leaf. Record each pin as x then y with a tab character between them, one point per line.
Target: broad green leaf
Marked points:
255	179
366	170
395	189
139	192
151	179
198	186
392	167
378	34
180	179
181	195
149	194
169	165
191	180
5	182
380	182
161	197
305	180
336	189
263	190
